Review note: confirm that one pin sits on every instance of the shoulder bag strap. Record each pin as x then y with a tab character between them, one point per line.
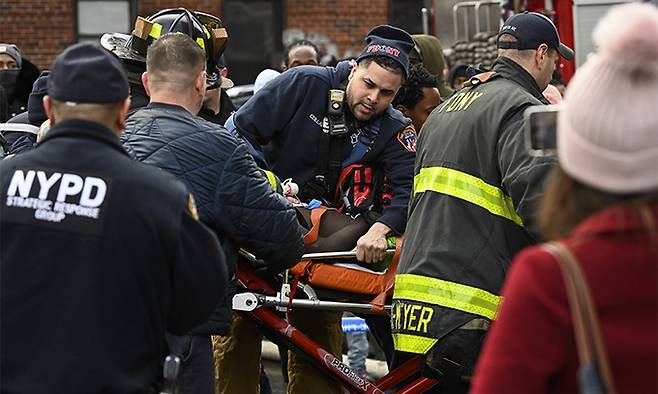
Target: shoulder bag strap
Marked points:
589	340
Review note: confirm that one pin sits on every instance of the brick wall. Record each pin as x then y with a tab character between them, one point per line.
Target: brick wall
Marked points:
149	7
40	28
43	28
345	22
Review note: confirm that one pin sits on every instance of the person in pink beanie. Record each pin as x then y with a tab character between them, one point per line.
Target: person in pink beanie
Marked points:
601	203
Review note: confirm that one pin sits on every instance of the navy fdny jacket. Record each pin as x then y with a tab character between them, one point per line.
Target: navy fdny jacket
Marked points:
233	196
98	256
287	114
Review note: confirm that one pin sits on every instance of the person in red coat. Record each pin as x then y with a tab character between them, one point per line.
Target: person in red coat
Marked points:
601	202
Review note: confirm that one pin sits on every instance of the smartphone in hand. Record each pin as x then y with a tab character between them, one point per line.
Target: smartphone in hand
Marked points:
540	124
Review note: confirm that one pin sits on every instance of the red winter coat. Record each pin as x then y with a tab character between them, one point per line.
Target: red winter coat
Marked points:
531	346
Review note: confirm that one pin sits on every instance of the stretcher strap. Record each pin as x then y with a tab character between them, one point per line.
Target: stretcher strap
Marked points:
293	290
316	215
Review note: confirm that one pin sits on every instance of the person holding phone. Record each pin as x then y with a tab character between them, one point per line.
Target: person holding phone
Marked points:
471	211
601	203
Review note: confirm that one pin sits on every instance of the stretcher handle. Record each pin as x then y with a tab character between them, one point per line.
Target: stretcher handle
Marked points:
337	255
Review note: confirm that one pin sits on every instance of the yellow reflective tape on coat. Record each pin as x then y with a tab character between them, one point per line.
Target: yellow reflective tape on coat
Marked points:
156	31
201	43
467	187
271	178
412	343
447	294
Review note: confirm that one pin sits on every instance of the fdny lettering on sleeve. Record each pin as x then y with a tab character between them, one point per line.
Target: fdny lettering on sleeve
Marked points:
56	199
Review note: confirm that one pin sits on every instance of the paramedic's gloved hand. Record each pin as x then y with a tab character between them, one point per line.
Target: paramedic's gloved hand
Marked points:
371	247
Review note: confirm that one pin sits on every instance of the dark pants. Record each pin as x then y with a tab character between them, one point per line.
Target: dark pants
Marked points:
197	370
452	359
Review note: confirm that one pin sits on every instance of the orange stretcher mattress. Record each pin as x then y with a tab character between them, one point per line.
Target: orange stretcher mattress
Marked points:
346	279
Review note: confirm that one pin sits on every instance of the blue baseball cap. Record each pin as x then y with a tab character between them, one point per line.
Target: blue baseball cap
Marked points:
389	41
532	29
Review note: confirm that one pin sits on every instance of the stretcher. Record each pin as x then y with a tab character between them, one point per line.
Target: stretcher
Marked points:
326	281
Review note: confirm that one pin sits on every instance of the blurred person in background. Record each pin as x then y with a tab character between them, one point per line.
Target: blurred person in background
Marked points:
301	53
431	53
17	75
601	204
458	76
418	96
21	130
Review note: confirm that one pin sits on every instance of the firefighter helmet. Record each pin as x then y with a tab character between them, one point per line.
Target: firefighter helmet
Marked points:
206	30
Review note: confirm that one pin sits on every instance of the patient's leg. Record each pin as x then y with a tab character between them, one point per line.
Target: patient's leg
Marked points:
338	232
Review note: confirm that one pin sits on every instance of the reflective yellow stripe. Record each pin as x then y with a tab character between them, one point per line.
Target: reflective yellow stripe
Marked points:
413	343
271	178
156	30
207	32
201	43
448	294
466	187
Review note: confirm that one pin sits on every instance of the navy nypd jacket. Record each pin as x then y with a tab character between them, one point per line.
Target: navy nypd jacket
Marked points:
287	114
99	255
232	195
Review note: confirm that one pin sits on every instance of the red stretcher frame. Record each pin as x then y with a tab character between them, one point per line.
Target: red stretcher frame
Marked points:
282	332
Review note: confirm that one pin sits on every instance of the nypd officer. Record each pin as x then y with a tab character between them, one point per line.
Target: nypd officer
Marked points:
99	254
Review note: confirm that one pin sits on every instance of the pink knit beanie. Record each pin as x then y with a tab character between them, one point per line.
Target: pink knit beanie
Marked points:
608	127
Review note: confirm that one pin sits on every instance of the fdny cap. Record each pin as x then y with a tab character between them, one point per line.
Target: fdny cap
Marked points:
532	29
389	41
87	73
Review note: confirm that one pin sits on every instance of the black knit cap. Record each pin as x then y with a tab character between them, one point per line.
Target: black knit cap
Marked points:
35	111
87	73
385	40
